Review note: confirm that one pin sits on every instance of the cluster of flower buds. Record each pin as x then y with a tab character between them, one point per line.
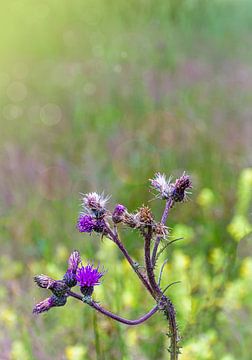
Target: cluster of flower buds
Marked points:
177	191
84	276
93	213
141	219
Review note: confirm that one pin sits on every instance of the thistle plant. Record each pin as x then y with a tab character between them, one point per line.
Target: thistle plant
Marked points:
96	218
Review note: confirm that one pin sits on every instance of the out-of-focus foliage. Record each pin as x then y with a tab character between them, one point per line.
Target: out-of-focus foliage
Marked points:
99	95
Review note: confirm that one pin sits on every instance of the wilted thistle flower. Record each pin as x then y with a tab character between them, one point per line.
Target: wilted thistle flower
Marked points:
48	303
95	203
162	185
131	220
180	187
160	230
57	287
118	212
145	216
44	281
73	263
85	223
88	277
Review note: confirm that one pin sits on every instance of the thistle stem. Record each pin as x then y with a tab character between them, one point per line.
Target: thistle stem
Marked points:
148	264
109	314
170	314
168	205
132	263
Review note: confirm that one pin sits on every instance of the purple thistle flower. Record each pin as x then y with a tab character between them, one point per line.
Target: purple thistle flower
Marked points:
118	213
88	276
85	223
48	303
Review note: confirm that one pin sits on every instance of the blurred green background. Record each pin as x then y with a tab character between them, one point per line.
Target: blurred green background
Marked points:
99	95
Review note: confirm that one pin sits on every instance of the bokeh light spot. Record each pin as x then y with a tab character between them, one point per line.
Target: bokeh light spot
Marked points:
12	111
50	114
16	91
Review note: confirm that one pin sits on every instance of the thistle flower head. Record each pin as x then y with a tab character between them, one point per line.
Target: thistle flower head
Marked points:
85	223
57	287
48	303
88	276
118	213
131	220
44	281
145	215
74	261
160	230
180	188
95	202
162	185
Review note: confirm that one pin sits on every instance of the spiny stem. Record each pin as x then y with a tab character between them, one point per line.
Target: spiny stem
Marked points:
148	264
170	314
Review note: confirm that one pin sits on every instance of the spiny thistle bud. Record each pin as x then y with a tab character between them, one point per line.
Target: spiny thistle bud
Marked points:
87	291
57	287
118	212
73	263
130	220
160	230
44	281
145	215
48	303
180	187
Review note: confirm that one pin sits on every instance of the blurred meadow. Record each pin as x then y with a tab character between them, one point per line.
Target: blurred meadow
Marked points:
99	95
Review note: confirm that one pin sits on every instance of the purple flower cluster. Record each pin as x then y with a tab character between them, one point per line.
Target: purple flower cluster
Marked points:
93	213
167	190
86	276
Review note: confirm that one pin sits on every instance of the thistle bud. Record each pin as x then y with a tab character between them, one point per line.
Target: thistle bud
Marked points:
48	303
130	220
44	281
179	189
145	215
160	230
117	215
